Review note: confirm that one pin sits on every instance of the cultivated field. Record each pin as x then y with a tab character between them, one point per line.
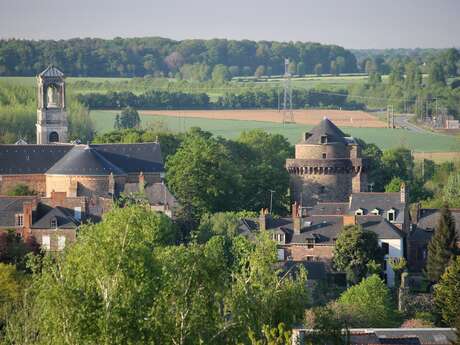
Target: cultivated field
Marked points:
342	118
383	137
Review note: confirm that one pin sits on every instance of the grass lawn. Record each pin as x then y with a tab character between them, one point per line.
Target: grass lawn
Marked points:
383	137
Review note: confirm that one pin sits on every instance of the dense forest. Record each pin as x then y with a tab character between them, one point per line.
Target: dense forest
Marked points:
158	56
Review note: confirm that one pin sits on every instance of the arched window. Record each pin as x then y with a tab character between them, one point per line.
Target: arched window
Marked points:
52	96
54	137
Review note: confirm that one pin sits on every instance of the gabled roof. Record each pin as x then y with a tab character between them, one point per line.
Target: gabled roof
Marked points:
64	220
382	201
429	218
329	208
326	128
51	71
380	226
84	160
10	206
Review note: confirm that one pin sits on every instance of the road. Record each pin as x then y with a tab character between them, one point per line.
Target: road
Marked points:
403	122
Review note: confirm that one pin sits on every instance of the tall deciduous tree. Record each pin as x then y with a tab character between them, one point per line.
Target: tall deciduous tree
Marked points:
128	118
447	293
369	304
354	249
442	246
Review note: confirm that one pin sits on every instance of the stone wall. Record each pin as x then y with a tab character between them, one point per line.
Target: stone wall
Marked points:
299	252
86	185
69	234
309	151
36	182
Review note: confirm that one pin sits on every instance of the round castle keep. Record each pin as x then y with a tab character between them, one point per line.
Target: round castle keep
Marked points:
327	166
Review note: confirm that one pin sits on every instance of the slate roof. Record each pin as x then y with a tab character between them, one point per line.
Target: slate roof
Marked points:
322	229
427	223
144	157
51	71
381	201
317	270
62	216
30	159
329	208
9	207
37	159
326	128
84	160
156	193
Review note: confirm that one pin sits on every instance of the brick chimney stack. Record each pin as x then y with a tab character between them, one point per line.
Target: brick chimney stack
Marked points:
27	222
349	220
403	193
141	182
263	219
296	218
57	198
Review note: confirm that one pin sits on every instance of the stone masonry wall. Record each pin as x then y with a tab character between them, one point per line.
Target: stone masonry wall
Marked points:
36	182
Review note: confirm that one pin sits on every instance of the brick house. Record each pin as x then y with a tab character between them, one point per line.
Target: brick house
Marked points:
310	233
423	227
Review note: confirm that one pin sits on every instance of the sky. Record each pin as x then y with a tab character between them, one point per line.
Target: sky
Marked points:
349	23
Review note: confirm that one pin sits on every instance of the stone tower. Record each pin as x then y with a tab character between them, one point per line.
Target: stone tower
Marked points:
327	166
51	116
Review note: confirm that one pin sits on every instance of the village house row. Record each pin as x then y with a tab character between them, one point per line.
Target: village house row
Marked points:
76	183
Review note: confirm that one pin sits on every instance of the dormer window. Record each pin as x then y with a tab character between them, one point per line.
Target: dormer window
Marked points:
359	212
323	139
53	223
19	219
391	215
376	212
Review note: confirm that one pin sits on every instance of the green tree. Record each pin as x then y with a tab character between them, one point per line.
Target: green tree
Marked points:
354	249
11	282
442	246
398	265
129	118
220	74
221	223
272	336
436	74
201	174
100	291
451	190
368	304
20	189
447	292
397	163
452	57
328	328
318	69
260	71
394	185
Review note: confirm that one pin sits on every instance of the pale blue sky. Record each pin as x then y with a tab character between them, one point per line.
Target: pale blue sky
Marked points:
350	23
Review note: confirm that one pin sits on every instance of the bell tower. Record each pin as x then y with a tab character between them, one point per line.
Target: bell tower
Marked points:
51	115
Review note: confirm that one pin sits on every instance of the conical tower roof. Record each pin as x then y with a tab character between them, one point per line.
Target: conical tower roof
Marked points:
51	71
84	160
326	128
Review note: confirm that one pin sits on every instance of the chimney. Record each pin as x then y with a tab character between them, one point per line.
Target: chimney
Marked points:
263	219
349	220
72	188
111	184
403	193
57	198
141	182
296	219
27	214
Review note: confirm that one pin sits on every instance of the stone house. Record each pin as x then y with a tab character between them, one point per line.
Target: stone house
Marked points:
423	227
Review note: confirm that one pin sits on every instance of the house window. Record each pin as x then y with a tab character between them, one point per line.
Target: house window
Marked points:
359	212
391	215
53	223
322	189
77	213
323	139
385	248
46	242
61	242
324	156
376	212
19	219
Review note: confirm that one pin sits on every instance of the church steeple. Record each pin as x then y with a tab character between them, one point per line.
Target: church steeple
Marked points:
51	115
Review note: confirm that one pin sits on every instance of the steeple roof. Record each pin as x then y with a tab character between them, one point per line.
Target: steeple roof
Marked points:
51	71
328	129
84	160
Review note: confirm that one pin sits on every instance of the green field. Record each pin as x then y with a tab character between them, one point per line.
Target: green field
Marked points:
383	137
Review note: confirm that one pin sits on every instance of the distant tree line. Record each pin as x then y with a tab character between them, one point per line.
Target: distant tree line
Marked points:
263	98
191	59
